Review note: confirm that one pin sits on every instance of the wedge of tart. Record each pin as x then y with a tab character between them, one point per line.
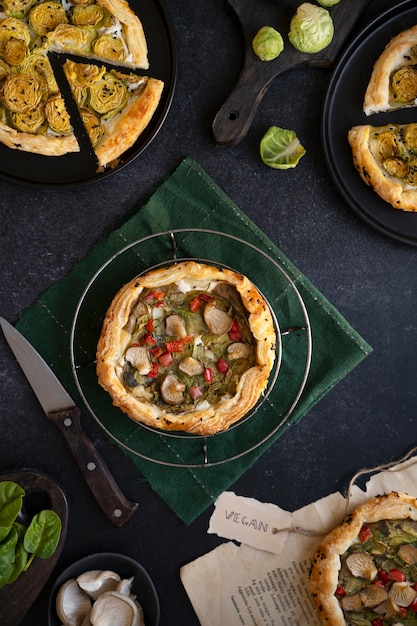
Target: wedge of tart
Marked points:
386	159
115	106
189	347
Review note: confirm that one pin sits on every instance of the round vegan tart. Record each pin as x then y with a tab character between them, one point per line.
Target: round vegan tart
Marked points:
189	347
364	572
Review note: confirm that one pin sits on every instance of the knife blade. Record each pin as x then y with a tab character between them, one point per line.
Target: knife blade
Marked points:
61	409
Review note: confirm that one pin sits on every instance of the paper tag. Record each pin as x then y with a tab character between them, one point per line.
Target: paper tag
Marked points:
259	525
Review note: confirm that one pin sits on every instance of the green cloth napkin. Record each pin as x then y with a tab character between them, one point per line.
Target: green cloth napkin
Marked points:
317	346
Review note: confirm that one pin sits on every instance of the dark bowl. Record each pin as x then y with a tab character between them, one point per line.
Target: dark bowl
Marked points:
126	567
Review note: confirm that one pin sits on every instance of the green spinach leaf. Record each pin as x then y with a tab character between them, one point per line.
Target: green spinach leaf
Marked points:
11	498
21	556
42	535
7	556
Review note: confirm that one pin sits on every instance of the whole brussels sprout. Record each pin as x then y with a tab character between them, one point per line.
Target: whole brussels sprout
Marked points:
70	38
29	122
17	8
86	14
311	28
267	43
327	3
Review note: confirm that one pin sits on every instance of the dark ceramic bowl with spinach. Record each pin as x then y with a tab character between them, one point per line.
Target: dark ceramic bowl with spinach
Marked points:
126	567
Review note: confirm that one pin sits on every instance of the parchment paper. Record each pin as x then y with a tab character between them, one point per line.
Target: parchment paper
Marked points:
265	583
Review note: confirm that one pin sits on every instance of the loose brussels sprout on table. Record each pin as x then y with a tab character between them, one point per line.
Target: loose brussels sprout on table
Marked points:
267	43
280	148
311	28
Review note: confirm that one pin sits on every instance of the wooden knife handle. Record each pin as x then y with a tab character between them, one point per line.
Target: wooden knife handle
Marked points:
117	508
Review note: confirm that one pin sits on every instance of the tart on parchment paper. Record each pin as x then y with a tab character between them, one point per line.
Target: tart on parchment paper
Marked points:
33	112
364	572
189	347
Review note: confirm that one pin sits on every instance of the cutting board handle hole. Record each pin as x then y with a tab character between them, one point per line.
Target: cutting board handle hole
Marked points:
33	502
234	115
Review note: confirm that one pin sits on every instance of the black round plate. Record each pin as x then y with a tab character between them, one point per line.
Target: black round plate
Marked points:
343	109
76	169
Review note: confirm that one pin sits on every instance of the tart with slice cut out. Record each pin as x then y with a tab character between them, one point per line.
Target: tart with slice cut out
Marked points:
33	111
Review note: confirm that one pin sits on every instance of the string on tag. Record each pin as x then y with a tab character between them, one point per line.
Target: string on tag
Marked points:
372	470
362	472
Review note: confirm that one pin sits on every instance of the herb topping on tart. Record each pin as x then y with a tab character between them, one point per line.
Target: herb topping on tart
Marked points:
378	575
200	339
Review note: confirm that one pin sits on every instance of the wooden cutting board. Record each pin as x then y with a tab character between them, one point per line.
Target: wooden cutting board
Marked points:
41	493
233	120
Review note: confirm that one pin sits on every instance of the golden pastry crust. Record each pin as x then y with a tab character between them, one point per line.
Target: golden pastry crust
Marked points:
399	52
47	145
401	193
122	131
133	32
203	417
324	575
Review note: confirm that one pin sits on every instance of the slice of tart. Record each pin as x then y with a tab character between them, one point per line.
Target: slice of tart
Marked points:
386	159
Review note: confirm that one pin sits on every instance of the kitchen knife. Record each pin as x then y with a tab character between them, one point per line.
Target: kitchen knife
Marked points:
61	409
234	118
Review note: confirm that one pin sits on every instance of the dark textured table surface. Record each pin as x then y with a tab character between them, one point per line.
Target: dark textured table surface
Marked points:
368	419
